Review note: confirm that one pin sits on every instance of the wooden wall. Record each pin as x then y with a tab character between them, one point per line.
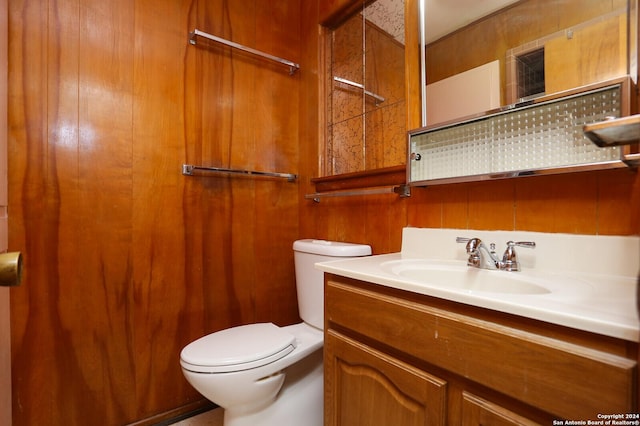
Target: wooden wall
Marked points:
602	202
524	22
5	293
362	133
126	259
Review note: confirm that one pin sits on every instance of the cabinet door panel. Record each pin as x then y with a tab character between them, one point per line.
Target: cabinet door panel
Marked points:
366	387
478	411
531	368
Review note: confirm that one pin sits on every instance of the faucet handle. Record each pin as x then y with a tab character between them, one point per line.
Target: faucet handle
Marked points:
510	258
527	244
472	243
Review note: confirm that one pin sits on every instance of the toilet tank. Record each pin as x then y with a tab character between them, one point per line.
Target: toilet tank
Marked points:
310	281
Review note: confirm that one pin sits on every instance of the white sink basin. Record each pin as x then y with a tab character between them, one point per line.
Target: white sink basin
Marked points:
458	276
587	282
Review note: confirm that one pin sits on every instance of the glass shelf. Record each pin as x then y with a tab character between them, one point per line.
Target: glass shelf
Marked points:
615	132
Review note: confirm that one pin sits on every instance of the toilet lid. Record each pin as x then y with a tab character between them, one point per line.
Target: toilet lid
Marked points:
237	348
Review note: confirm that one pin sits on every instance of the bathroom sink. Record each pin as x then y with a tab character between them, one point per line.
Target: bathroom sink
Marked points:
459	276
564	281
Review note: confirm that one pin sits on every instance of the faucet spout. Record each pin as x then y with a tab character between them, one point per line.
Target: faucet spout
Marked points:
483	257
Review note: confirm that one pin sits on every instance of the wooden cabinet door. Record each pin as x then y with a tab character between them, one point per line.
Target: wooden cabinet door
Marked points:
364	386
477	411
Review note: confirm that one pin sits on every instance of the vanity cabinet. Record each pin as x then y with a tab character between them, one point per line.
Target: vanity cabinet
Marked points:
396	357
385	390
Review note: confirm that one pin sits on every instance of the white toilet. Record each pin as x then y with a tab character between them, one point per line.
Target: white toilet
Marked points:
266	375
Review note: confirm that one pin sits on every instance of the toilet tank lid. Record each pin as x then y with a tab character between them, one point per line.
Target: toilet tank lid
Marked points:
331	248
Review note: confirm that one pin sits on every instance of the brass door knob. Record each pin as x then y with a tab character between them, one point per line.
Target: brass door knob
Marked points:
10	269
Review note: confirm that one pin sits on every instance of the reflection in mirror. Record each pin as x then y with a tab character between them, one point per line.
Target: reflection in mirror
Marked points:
366	111
512	51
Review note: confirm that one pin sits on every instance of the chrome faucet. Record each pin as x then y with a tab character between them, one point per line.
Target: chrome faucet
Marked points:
483	257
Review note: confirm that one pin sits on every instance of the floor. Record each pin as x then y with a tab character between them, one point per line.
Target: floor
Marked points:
208	418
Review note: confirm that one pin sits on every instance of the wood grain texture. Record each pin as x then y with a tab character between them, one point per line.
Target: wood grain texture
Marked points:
127	259
604	43
364	133
531	367
606	202
5	293
385	390
478	411
491	37
332	13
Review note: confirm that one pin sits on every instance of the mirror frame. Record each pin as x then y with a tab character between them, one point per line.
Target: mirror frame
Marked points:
332	14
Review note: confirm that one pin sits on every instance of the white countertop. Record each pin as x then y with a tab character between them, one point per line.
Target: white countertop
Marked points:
604	303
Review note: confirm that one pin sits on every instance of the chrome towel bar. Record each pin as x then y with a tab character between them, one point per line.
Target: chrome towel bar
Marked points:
187	169
293	67
401	190
379	99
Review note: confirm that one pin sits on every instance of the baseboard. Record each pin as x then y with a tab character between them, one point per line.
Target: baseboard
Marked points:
173	416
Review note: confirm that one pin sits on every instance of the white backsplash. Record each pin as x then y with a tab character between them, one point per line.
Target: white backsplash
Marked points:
591	254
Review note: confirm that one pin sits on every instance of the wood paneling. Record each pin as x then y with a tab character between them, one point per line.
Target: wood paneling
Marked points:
605	202
332	13
489	39
364	134
127	259
601	202
5	293
561	204
605	40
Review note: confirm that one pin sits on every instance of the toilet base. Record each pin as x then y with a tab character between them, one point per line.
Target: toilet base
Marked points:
300	401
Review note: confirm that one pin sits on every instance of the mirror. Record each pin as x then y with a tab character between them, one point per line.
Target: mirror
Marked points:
365	89
490	54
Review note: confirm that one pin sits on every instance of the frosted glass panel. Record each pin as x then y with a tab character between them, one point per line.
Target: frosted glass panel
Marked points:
540	136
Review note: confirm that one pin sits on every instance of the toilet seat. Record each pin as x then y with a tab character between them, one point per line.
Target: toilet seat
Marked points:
238	348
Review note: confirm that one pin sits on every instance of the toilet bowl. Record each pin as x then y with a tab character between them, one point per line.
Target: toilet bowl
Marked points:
262	374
